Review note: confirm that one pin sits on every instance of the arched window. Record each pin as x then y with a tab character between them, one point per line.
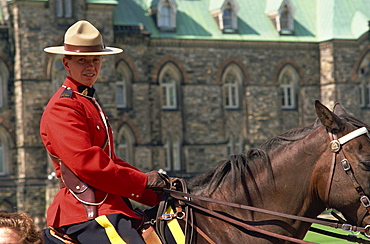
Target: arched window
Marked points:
282	16
166	15
363	75
173	154
285	18
5	153
2	159
169	80
58	73
227	17
123	85
232	80
125	144
4	77
288	80
64	8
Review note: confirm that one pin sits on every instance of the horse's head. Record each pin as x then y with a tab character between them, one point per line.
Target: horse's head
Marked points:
347	185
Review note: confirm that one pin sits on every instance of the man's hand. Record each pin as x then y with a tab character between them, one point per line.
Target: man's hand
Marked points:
155	181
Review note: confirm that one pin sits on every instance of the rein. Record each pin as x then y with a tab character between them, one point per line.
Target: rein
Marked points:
184	196
336	146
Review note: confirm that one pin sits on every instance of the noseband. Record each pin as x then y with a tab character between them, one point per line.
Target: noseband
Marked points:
336	146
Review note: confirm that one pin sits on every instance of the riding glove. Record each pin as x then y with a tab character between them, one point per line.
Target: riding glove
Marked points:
155	180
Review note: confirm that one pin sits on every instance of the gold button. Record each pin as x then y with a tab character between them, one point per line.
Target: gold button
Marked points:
98	127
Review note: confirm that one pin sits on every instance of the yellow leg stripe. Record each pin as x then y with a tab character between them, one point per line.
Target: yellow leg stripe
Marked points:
112	234
175	228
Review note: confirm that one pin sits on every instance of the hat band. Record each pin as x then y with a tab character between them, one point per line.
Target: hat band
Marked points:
74	48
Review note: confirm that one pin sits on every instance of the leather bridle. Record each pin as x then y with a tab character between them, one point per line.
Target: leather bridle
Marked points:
336	148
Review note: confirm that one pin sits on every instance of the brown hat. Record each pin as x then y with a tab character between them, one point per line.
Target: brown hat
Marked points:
82	38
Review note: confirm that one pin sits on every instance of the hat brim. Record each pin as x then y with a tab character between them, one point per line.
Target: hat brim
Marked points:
60	50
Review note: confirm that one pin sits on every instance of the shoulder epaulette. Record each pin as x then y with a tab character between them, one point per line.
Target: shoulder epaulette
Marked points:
66	93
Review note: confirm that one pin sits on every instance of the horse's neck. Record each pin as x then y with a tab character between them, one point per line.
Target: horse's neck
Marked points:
293	168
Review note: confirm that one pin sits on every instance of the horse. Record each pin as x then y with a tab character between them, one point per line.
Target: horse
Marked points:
300	172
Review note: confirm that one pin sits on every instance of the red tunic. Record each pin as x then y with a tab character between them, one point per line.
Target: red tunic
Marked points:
72	129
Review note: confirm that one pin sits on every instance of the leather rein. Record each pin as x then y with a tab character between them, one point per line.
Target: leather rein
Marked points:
335	146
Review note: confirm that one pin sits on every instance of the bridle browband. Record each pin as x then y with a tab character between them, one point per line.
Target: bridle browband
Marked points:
336	147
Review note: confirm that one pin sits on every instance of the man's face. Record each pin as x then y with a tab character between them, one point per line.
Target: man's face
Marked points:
84	69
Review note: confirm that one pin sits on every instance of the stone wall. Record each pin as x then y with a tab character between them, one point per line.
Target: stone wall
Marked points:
202	124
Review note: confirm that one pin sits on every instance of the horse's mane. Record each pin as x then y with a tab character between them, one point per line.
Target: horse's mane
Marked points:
291	135
234	171
239	167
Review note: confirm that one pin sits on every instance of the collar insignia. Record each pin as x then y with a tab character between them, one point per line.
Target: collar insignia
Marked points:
86	91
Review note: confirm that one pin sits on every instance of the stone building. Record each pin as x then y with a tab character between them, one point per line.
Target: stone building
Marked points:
198	80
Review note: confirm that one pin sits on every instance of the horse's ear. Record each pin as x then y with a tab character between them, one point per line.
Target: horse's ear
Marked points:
339	110
328	118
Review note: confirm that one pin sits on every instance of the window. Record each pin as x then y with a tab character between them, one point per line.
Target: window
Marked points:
2	160
125	144
5	154
282	17
364	80
165	16
64	8
288	80
234	146
168	91
123	85
165	12
232	82
226	16
285	18
4	77
173	155
169	80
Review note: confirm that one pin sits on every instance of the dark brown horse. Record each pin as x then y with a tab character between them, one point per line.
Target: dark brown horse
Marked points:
294	173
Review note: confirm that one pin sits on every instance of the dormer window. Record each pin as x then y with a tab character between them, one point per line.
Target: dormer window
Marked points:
283	18
165	14
226	16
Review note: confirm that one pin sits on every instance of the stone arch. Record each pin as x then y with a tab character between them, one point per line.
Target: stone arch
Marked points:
158	67
280	66
237	62
130	63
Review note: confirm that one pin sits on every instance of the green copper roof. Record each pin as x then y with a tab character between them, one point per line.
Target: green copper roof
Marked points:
314	20
273	5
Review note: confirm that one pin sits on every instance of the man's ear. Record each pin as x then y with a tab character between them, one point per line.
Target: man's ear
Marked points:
66	63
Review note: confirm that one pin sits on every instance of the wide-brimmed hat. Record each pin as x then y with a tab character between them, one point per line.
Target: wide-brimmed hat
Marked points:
82	38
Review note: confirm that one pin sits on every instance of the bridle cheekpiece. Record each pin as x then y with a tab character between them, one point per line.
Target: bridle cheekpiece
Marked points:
335	147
